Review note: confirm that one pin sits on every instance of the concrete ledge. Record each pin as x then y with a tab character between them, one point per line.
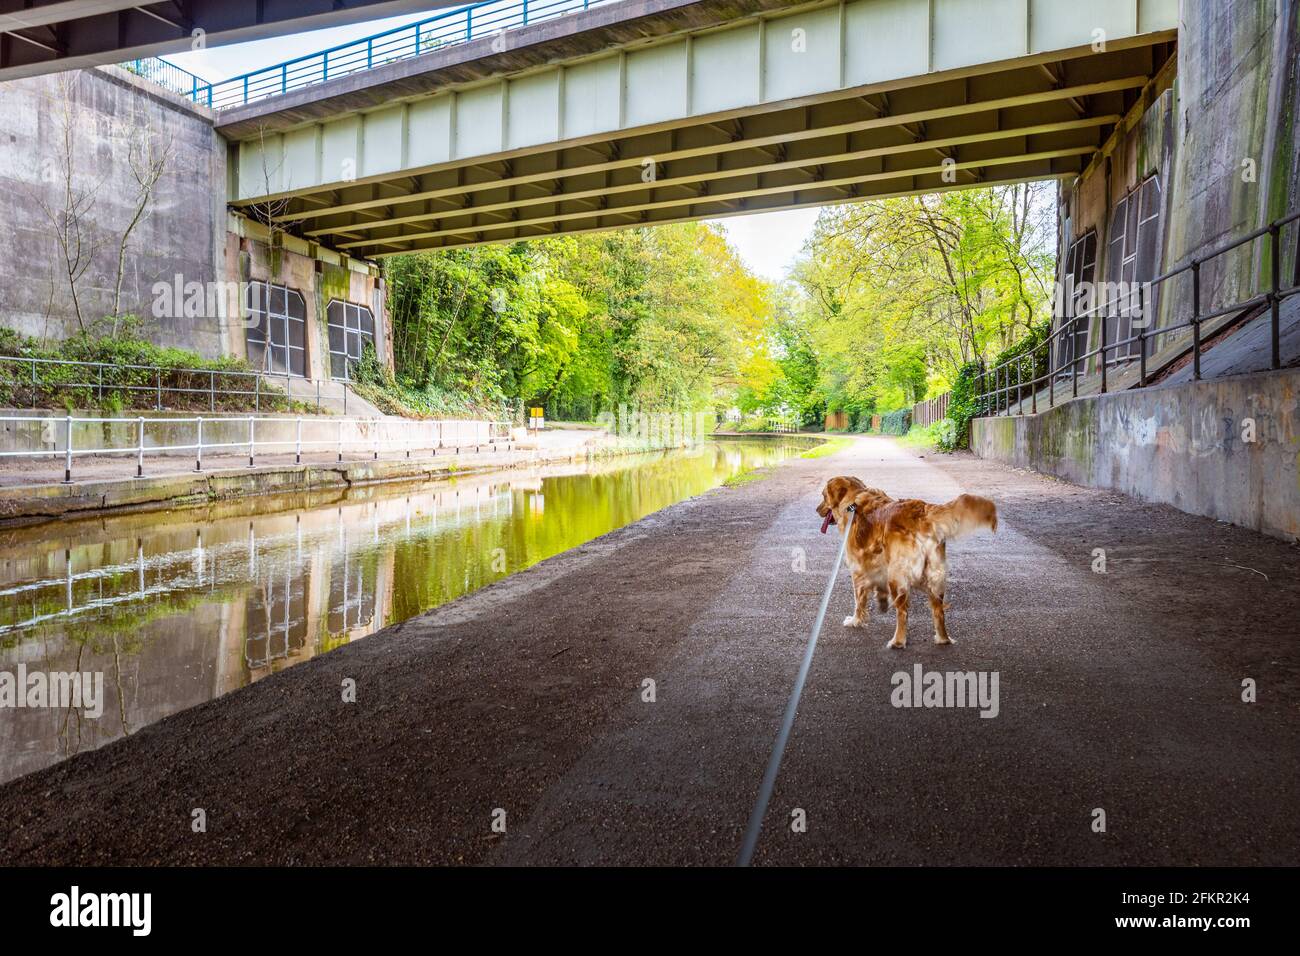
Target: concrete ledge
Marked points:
33	504
1185	445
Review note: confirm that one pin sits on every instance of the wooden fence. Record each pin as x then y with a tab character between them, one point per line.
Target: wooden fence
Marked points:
927	413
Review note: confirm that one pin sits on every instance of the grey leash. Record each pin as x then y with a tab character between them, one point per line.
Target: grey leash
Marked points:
787	722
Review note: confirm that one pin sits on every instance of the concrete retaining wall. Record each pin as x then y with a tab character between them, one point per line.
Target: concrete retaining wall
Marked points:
1187	445
90	119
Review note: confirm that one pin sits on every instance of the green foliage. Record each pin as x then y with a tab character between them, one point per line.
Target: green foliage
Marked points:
828	448
376	383
1028	356
661	319
896	422
924	436
125	378
963	405
893	297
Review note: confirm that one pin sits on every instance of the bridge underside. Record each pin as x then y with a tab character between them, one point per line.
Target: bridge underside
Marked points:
1039	120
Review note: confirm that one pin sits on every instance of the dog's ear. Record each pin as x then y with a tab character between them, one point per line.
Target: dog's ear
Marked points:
846	487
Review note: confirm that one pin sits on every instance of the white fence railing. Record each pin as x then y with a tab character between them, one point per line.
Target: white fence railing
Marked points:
67	436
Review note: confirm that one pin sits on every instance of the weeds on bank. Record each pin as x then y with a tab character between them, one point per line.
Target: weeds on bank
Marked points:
127	372
827	448
744	478
923	436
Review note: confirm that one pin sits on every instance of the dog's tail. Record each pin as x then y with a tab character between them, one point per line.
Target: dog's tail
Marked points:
965	514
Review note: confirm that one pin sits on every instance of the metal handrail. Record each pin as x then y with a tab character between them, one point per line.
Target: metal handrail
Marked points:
258	385
997	400
429	435
414	39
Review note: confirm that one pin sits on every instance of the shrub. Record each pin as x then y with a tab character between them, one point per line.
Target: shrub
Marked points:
127	373
963	405
376	383
896	422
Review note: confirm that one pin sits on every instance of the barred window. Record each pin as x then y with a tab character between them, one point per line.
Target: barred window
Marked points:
1132	257
277	329
1080	271
351	326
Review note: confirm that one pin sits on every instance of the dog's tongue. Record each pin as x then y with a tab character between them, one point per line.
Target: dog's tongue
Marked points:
826	522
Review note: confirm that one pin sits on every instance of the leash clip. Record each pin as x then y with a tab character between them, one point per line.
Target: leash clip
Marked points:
853	507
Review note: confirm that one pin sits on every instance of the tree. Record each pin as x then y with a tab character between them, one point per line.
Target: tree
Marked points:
70	213
148	154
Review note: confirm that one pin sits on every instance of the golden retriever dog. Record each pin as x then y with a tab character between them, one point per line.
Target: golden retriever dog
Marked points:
897	546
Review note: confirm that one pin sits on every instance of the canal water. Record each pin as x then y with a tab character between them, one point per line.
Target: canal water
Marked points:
175	608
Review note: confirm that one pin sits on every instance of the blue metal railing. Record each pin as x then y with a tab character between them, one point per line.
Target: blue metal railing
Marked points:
172	77
415	39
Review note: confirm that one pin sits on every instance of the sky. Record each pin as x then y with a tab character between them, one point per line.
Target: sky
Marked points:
766	242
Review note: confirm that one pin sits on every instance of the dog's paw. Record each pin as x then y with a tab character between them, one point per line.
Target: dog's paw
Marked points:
940	639
852	621
895	645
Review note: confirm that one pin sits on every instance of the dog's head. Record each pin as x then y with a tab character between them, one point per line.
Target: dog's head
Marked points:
836	496
845	490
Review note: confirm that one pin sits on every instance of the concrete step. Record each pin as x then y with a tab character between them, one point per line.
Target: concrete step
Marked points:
335	397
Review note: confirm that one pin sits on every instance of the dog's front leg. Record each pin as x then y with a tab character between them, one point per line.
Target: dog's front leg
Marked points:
861	589
899	600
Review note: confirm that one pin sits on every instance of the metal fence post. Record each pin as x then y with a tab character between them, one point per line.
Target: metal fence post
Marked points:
1275	303
298	451
158	377
257	393
340	438
1033	380
1103	355
67	452
33	383
251	440
1196	319
198	448
212	391
1142	339
1051	376
318	396
139	461
1074	359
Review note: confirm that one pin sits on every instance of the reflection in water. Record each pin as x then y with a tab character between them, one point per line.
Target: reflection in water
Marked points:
178	607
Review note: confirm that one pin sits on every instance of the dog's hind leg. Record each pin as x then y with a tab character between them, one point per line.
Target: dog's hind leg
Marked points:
900	601
936	583
937	608
882	600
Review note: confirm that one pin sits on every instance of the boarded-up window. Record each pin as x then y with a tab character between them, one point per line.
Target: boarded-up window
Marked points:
350	328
